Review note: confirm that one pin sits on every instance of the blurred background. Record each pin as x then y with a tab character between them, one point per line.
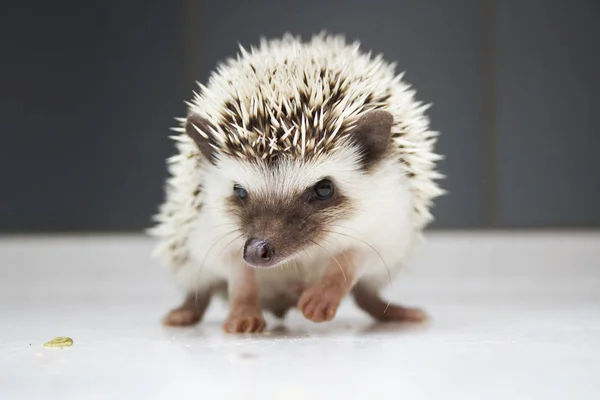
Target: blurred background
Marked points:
89	90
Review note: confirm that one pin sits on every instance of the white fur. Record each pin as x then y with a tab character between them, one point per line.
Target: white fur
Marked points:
392	209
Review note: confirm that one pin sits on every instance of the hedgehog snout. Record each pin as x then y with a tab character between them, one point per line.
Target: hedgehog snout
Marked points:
258	252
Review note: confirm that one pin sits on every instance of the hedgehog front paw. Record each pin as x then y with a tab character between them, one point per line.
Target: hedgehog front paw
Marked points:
244	320
318	304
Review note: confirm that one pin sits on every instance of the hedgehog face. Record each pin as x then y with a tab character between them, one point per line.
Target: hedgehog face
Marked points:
285	206
284	209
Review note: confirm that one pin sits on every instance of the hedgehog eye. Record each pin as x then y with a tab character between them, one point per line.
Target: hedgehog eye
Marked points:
323	189
240	191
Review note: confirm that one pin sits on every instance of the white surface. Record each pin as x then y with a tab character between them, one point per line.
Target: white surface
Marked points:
515	316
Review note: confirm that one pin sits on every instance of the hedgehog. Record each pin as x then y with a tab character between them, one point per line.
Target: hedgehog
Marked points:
305	174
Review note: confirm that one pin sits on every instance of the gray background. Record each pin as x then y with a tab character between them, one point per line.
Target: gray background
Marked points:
89	90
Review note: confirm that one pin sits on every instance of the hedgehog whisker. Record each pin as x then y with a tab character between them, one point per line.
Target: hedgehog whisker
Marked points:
343	254
210	249
323	238
307	215
335	259
217	208
229	244
222	250
371	247
224	224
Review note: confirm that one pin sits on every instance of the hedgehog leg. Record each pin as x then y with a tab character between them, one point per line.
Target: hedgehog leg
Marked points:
190	312
372	303
320	301
245	314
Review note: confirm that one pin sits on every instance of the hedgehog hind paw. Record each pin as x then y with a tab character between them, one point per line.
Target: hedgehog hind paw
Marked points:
383	311
189	313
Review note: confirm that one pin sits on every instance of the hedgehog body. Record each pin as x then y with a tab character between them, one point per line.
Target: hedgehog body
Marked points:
292	154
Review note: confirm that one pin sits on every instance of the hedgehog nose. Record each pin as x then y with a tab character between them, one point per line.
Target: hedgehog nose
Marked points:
258	252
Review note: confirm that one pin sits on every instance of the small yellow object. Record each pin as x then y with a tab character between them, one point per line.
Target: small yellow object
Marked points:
59	342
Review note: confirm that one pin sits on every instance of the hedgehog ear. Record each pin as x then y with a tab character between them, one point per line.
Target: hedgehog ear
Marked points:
372	133
197	128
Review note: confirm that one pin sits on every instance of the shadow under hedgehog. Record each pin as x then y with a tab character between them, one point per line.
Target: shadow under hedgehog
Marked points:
304	170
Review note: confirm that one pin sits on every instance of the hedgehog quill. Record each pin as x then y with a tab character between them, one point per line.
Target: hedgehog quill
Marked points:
304	174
